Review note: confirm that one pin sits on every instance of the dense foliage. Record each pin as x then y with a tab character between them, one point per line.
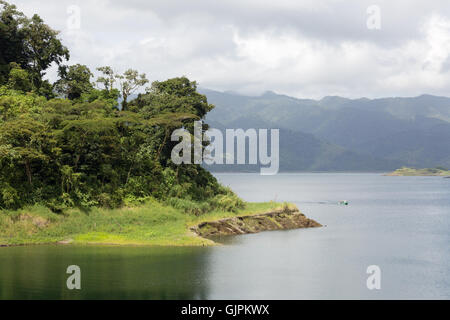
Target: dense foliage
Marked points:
73	145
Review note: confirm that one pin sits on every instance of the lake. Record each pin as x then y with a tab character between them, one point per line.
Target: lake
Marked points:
400	224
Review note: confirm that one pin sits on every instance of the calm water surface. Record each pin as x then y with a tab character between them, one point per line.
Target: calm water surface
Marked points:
401	224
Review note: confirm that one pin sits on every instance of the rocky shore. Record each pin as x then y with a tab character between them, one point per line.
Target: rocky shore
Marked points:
282	219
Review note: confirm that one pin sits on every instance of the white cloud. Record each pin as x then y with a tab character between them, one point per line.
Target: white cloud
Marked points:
302	48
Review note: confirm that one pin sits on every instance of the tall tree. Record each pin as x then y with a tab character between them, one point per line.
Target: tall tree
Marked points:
129	82
108	77
185	92
29	42
42	48
74	81
12	38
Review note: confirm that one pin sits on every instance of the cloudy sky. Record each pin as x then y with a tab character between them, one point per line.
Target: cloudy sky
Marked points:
303	48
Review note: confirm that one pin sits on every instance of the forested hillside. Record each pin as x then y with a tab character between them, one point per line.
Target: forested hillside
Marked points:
339	134
70	144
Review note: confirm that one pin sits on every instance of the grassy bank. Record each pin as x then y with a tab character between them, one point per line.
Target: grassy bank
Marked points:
152	223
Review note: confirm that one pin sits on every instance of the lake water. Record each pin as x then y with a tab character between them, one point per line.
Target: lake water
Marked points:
400	224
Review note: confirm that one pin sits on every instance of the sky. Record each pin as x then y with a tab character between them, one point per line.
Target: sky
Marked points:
301	48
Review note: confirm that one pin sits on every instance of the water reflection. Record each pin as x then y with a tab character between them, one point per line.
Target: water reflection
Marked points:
39	272
398	223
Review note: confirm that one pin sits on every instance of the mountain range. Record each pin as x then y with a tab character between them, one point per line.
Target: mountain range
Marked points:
340	134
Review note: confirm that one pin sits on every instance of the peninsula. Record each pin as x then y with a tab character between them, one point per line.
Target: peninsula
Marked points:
441	172
86	160
152	223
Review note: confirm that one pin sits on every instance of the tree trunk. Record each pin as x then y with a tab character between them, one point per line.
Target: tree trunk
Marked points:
166	135
77	159
129	173
28	171
124	102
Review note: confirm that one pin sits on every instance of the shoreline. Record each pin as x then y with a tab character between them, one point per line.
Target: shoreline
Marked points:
425	172
152	224
279	219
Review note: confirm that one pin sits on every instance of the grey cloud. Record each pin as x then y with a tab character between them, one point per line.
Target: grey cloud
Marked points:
303	48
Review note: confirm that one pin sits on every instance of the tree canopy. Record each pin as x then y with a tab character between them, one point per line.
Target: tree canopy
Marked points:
70	144
29	43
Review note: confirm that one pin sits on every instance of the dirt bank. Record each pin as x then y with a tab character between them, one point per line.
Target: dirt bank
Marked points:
283	219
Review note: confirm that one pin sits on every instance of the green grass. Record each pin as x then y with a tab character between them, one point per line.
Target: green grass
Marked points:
152	223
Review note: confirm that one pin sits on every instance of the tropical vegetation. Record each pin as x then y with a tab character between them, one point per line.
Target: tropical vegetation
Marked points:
72	144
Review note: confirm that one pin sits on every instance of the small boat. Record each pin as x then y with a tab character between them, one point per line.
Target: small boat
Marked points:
343	202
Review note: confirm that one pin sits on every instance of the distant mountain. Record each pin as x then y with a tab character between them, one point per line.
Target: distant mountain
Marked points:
340	134
304	152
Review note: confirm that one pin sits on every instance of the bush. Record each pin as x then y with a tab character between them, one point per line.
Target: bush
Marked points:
9	197
189	206
223	202
227	202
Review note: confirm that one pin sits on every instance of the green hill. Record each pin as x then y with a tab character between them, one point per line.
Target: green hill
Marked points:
353	134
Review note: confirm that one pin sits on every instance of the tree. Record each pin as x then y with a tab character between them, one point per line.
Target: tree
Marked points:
42	48
64	153
82	150
129	82
25	139
74	81
181	95
109	92
19	79
12	39
177	95
14	103
32	44
108	79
